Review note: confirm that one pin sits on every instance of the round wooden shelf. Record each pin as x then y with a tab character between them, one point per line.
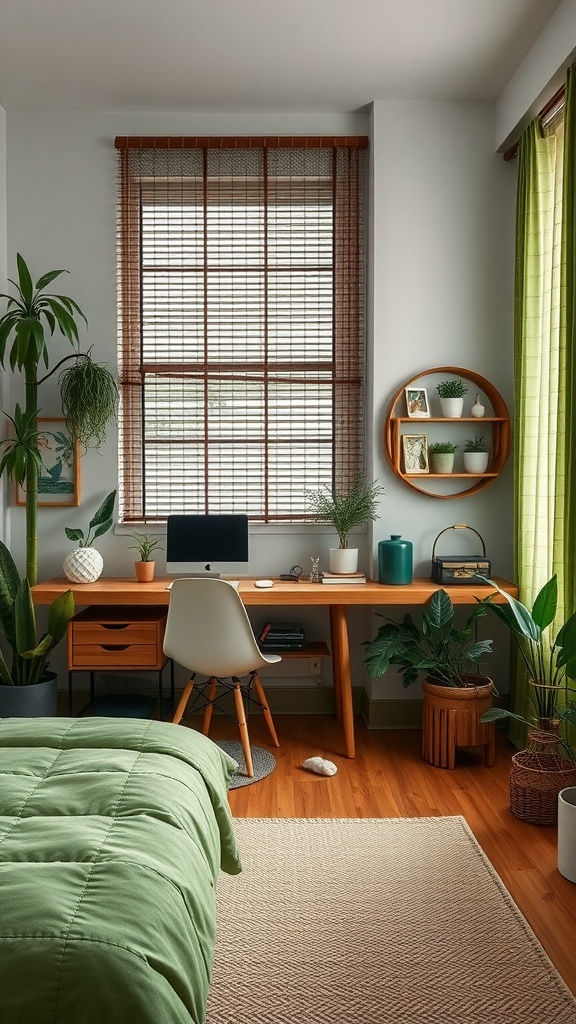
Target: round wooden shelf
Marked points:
499	423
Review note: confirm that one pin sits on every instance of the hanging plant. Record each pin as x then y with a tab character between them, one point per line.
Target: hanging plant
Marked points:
89	400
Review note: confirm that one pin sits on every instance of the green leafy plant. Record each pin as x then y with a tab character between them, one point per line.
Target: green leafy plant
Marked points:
89	391
30	654
550	661
437	648
476	444
347	508
442	448
453	388
144	545
100	523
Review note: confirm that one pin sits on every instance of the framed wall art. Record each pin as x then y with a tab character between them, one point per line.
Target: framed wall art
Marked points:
415	452
59	480
417	406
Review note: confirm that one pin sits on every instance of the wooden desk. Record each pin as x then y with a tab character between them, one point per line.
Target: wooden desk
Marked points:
127	591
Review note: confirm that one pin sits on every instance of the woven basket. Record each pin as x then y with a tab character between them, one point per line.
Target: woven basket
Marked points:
537	775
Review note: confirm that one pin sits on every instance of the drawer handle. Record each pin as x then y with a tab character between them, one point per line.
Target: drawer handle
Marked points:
115	647
114	625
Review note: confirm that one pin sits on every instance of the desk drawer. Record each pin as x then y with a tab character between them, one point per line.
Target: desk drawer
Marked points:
115	633
118	656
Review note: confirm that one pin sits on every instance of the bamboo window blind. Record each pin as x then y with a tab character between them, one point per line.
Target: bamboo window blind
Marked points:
241	323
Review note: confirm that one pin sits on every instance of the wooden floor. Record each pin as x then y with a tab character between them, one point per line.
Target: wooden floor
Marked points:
388	779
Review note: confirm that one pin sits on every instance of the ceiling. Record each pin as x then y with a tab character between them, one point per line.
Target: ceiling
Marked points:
227	56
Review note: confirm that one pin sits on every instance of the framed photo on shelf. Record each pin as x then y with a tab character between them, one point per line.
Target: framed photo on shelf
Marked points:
415	452
59	480
417	403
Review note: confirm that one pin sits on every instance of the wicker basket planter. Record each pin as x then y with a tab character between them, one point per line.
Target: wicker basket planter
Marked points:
537	775
451	719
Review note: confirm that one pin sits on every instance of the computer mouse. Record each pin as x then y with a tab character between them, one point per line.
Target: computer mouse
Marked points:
263	583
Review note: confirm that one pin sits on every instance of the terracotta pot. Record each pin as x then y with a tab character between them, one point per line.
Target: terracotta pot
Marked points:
451	719
144	571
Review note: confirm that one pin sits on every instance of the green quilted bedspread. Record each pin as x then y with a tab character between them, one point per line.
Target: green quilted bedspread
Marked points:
112	835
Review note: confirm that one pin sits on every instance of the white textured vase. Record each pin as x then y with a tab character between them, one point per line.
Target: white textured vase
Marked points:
343	559
452	407
83	565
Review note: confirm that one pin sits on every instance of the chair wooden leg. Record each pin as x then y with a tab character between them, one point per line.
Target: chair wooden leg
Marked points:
177	716
209	707
265	709
242	726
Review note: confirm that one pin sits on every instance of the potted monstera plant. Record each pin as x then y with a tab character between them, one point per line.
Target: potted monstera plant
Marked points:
447	656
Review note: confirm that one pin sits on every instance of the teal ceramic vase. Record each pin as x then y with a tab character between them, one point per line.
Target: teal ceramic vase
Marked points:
395	561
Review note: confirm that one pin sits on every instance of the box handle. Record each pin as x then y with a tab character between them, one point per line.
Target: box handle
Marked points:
459	526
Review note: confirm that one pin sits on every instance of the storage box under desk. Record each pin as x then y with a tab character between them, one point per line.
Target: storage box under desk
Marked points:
102	637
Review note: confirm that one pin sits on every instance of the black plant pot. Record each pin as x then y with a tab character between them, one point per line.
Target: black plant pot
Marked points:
37	701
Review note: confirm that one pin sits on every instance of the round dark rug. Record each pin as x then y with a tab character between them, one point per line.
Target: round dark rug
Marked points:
263	763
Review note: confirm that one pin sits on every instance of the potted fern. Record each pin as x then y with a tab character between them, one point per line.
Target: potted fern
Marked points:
345	509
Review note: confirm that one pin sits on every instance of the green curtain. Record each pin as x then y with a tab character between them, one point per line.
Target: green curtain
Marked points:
544	377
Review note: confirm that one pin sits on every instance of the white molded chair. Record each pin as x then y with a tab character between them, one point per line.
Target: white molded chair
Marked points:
209	632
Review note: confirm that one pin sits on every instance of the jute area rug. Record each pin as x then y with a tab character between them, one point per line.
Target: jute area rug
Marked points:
375	921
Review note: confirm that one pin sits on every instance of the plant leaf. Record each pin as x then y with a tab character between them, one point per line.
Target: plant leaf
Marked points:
47	279
59	614
24	279
25	618
440	610
524	620
74	534
546	603
105	511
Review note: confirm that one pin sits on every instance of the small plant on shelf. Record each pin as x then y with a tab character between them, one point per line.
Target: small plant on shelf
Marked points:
442	448
476	444
144	545
453	388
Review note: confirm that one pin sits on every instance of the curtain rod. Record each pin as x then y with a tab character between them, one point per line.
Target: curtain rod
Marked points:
554	104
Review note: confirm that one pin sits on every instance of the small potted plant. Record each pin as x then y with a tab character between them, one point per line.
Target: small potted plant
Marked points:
451	393
455	696
144	545
442	456
346	509
475	452
85	563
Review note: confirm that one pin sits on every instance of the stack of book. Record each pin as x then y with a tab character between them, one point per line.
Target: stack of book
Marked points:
343	577
281	636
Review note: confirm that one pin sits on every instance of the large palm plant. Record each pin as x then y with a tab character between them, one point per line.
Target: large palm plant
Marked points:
88	390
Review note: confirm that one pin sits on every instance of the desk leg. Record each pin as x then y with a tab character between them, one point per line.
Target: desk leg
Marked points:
336	667
341	668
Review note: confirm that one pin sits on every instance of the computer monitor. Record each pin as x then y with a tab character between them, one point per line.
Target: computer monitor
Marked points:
206	545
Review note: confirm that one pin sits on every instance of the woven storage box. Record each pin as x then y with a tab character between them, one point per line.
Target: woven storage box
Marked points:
537	775
454	569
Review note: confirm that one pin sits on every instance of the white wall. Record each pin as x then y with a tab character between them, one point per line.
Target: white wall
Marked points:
3	234
441	255
442	284
538	77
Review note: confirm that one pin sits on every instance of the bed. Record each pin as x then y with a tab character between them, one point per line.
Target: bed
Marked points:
112	836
